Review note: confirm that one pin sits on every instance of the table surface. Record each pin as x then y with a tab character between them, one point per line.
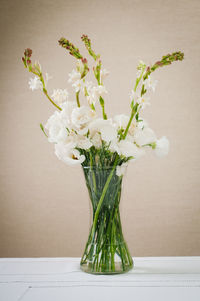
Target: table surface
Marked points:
60	279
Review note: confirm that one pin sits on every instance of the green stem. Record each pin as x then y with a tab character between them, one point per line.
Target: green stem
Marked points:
93	175
129	258
134	109
102	197
77	99
101	100
49	98
44	88
112	245
139	79
128	125
45	92
96	69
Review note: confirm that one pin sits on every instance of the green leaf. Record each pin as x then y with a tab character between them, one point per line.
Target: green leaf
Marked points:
42	128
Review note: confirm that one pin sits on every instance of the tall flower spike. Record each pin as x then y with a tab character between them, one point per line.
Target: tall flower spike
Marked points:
74	51
37	70
96	69
70	47
87	43
28	52
26	58
166	60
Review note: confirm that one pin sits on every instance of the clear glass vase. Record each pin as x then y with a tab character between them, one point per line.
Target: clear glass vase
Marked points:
106	251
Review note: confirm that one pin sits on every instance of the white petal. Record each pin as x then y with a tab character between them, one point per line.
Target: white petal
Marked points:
82	116
83	142
35	83
144	136
68	154
121	169
108	133
121	120
96	140
59	95
162	147
129	149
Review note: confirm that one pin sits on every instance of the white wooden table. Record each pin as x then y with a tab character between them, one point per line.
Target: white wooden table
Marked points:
60	279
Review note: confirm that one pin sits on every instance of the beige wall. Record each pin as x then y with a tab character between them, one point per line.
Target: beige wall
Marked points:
44	207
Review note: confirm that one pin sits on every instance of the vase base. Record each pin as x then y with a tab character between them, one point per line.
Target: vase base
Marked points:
118	269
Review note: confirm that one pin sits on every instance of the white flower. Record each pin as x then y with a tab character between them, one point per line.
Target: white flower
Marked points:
162	147
77	85
60	123
68	154
100	90
120	169
82	116
150	83
57	128
88	90
74	76
96	140
35	83
103	74
129	149
144	136
114	147
80	66
60	96
67	108
143	101
108	133
83	142
96	125
141	66
121	122
141	124
75	80
105	127
93	92
88	86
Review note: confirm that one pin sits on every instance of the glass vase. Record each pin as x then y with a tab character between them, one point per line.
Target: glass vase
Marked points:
106	251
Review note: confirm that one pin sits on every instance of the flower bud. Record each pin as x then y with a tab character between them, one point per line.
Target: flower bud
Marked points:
159	63
84	60
28	52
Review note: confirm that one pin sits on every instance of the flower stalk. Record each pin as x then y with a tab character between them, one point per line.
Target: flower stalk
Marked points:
166	60
96	70
36	70
74	51
77	99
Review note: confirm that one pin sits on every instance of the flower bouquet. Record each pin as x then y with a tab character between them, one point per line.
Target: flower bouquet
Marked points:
102	146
